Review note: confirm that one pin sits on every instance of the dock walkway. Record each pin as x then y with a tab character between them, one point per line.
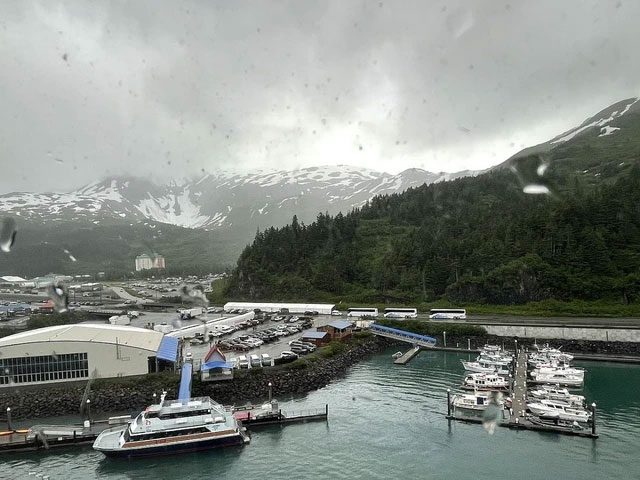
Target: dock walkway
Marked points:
519	392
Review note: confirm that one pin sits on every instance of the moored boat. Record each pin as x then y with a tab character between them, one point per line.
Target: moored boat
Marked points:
173	426
483	366
485	382
558	378
558	394
551	408
477	401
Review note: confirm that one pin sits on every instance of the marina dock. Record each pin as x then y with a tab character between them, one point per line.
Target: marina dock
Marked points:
519	389
516	417
51	436
408	356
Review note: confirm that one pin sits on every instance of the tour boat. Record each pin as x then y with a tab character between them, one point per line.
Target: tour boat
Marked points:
173	426
551	408
485	381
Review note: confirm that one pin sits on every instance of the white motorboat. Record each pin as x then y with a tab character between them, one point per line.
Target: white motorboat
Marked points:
484	382
558	378
477	401
549	392
397	355
561	410
483	366
579	372
553	353
495	358
173	426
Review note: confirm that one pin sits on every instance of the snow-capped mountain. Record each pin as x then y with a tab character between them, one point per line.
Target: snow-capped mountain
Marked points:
221	200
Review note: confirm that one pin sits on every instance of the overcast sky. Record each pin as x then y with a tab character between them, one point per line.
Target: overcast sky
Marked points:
167	89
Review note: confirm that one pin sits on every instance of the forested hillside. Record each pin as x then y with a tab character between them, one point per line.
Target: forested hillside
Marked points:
472	240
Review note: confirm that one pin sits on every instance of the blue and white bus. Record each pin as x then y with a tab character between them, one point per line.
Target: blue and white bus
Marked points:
447	314
396	312
362	312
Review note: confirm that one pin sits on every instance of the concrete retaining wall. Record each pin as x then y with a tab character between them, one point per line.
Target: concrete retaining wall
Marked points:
566	333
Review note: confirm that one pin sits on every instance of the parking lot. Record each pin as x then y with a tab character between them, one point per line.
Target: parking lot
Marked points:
272	347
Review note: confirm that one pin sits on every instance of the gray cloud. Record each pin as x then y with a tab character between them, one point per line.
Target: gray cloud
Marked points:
167	89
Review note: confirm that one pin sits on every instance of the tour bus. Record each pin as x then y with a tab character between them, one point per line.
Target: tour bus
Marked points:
400	313
448	313
362	312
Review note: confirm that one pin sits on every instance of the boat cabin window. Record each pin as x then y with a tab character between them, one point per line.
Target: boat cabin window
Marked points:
189	413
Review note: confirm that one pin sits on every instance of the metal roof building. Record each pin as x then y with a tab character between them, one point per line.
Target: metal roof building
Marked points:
76	352
322	308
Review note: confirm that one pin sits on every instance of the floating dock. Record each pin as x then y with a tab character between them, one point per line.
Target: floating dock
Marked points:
51	436
257	417
408	356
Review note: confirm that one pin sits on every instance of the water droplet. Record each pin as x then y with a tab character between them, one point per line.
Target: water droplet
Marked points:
8	234
491	413
176	323
58	295
193	295
542	168
65	57
459	22
536	189
71	257
59	160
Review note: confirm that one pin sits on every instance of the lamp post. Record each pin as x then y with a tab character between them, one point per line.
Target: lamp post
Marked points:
9	427
444	338
270	391
89	410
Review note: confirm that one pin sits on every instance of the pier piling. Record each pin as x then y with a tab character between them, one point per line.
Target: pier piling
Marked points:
448	402
593	419
9	427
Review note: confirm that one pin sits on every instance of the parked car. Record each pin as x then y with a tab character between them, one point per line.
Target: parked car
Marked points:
266	360
255	360
289	355
299	349
243	362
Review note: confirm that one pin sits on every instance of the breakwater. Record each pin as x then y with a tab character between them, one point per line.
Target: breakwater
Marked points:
132	394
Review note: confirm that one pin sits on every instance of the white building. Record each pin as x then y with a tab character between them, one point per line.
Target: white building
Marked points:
321	308
74	352
147	262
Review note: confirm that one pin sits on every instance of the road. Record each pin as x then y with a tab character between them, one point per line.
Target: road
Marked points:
535	321
122	293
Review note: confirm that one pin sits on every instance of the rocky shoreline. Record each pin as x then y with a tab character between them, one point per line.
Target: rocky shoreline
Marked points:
132	394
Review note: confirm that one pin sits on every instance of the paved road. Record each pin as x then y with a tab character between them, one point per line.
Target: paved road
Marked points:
122	293
535	321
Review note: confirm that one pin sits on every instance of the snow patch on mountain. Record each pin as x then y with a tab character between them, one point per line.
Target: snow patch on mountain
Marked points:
174	209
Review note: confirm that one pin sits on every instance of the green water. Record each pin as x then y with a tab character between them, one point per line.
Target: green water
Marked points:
387	422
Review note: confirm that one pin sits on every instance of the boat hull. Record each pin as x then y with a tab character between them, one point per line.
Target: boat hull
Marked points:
175	448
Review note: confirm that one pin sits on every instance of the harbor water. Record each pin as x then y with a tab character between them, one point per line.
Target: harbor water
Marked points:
387	421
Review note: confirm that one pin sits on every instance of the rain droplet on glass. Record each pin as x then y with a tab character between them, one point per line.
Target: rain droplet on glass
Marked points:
542	168
71	257
536	189
58	295
8	234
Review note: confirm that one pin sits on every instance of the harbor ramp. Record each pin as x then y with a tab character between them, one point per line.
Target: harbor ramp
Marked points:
184	394
403	336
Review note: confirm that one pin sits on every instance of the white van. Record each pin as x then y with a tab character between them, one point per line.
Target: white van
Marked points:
243	362
266	360
255	360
